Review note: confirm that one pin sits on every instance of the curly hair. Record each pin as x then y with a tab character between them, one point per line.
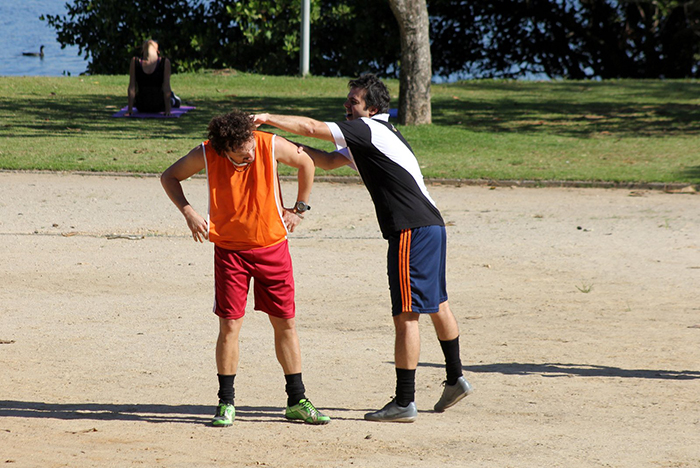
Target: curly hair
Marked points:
376	93
229	131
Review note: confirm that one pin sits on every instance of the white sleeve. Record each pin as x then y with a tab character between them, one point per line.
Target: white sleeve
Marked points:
341	145
337	135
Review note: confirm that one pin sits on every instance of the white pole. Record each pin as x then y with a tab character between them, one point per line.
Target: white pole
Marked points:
305	37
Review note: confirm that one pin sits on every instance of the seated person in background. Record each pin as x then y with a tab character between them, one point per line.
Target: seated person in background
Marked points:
149	82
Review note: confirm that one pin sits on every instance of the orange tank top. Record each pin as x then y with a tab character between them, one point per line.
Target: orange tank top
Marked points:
245	208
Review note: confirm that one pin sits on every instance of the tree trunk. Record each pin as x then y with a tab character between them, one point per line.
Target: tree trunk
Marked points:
416	67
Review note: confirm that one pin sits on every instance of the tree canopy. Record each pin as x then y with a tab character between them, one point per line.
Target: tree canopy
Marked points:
348	36
109	32
470	38
566	38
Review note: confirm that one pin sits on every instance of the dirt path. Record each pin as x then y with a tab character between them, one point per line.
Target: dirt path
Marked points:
579	311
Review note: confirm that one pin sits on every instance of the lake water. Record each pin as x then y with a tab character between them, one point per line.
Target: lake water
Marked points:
21	30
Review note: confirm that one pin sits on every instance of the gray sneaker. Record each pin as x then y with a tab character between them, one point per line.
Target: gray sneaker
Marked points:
392	412
453	393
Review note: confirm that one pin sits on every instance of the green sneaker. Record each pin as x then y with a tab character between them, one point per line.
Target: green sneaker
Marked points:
305	411
225	414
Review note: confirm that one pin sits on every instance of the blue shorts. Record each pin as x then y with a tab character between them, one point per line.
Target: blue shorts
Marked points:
416	269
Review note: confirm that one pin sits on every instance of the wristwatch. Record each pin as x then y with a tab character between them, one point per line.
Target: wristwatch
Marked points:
301	207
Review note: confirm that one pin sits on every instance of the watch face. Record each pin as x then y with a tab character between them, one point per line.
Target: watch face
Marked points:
301	206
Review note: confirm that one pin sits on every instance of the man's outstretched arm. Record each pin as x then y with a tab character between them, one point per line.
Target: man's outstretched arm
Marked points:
296	124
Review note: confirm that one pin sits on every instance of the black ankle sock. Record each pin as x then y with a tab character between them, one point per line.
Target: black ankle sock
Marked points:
294	388
226	391
405	386
453	363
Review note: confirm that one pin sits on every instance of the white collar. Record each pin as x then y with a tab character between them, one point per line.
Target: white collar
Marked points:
382	117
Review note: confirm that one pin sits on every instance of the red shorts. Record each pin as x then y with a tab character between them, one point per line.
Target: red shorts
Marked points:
273	288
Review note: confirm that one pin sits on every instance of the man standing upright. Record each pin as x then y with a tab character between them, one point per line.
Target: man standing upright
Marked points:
248	226
408	219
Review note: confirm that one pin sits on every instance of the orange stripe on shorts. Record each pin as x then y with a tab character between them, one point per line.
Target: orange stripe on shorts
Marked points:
404	270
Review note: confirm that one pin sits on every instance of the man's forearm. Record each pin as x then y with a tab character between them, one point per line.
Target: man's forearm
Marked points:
173	188
325	160
294	124
298	125
305	178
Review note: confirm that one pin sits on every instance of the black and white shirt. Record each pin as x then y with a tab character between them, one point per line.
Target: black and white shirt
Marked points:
389	170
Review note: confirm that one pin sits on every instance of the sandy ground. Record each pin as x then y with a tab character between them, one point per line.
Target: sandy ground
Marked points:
579	311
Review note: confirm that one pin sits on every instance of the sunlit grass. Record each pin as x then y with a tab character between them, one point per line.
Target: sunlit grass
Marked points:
619	131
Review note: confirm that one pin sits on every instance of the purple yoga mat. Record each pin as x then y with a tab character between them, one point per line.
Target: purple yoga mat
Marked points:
174	113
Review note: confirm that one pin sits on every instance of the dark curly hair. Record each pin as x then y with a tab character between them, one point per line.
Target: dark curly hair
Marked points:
229	131
376	93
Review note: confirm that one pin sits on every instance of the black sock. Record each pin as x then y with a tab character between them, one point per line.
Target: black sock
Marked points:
453	363
294	388
226	391
405	386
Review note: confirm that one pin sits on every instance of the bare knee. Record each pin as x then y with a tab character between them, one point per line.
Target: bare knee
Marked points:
282	324
230	328
405	321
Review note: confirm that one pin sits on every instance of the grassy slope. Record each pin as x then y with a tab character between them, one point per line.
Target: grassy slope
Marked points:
622	131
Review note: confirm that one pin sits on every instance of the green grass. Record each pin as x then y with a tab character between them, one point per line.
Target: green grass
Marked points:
614	131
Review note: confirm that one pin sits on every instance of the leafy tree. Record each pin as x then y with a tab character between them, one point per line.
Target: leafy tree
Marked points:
109	32
348	36
566	38
484	38
259	35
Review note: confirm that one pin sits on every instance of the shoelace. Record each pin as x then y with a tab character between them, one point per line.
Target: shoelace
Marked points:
306	404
